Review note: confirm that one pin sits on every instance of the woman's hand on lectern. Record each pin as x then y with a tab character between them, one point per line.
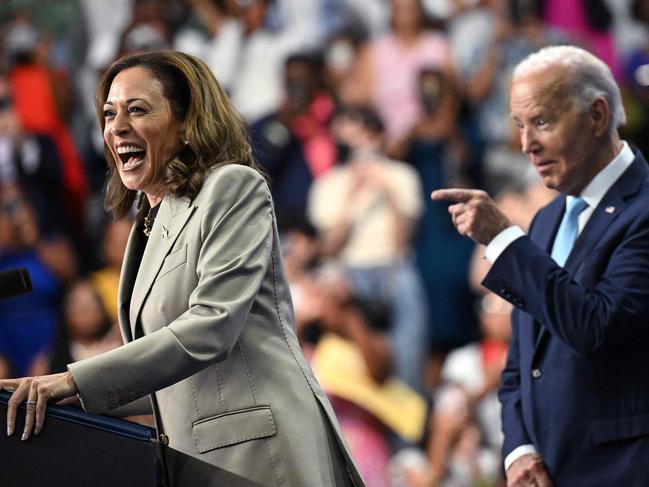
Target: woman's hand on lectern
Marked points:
35	392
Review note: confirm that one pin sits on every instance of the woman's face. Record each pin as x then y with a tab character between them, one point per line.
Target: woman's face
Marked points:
407	15
141	130
83	310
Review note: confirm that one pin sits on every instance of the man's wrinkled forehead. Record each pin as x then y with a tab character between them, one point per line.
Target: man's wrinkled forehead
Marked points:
549	87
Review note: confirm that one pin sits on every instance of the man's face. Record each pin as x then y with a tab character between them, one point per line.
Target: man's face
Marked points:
556	134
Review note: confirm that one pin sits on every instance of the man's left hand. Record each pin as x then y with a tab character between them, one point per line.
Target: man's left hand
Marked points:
474	213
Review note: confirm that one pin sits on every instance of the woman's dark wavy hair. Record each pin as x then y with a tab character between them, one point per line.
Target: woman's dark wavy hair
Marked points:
216	133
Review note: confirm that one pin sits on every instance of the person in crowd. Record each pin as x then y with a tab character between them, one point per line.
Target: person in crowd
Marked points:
204	309
352	359
340	55
42	98
438	148
246	56
148	30
440	102
636	81
573	392
345	340
106	278
31	161
366	209
29	322
294	144
464	439
86	329
388	68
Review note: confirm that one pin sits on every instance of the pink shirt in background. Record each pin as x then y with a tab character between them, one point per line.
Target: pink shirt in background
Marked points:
396	74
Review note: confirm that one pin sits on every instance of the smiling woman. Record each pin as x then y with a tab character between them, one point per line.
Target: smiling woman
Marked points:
183	125
204	306
141	131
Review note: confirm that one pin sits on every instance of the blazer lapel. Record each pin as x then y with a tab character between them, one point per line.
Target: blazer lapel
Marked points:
543	235
548	223
126	279
172	216
627	185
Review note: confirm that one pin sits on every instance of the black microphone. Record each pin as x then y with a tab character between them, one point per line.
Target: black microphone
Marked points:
14	282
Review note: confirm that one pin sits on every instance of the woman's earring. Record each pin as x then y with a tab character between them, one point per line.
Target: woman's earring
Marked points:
184	141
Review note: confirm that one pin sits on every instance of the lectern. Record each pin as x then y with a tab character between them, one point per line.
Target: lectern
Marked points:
78	449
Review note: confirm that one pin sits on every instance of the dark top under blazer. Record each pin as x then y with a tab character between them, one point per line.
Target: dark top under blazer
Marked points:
576	383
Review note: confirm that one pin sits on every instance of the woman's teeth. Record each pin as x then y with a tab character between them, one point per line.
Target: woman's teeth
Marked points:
126	149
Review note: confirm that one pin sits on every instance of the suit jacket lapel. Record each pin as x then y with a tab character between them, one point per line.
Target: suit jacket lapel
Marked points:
607	211
627	185
172	216
126	280
545	230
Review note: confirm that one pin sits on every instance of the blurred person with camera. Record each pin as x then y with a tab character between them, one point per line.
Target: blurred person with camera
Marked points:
366	209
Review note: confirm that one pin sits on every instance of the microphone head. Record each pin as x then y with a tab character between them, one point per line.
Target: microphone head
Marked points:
14	282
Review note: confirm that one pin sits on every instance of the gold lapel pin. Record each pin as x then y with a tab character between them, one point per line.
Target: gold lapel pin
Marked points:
610	210
165	232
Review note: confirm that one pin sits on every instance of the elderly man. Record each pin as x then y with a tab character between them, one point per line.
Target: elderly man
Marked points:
575	390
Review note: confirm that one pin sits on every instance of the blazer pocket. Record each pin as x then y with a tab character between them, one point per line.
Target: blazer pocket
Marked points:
172	261
233	427
603	431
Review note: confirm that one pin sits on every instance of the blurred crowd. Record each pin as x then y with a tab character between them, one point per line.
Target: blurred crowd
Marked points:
357	110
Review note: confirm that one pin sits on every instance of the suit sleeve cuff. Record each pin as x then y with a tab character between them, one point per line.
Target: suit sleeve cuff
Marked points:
518	452
501	241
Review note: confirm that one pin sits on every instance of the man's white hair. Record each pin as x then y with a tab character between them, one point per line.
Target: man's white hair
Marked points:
587	76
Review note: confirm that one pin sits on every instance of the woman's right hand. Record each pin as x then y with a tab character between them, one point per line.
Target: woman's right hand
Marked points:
35	392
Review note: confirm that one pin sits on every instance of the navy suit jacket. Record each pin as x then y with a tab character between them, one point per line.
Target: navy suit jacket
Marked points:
576	383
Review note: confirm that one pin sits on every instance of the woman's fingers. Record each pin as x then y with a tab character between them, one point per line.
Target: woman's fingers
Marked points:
8	385
19	395
41	406
35	392
30	410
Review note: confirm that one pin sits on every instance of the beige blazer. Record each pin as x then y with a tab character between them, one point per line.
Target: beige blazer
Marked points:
218	350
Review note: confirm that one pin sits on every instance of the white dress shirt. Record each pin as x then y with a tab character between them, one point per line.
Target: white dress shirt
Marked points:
592	194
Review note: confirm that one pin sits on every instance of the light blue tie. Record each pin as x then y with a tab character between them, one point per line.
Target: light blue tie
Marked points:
568	230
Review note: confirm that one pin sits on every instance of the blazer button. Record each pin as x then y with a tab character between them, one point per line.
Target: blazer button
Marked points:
164	439
536	373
